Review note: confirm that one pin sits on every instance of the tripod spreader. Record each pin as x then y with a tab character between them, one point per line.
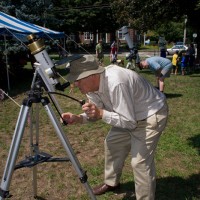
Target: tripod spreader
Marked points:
31	161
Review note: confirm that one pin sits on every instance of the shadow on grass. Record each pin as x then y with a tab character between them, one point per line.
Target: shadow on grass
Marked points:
170	95
169	188
195	142
194	76
146	71
178	188
39	198
196	73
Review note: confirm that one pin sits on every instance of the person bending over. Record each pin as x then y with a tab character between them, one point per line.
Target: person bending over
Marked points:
160	66
137	113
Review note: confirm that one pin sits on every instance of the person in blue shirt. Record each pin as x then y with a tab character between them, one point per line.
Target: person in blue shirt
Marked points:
160	66
184	62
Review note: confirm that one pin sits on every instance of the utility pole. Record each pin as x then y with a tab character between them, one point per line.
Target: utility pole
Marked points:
184	34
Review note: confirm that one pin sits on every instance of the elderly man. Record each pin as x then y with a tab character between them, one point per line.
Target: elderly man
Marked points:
160	66
137	113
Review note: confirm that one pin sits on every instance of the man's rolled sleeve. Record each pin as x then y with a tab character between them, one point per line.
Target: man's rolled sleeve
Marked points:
106	117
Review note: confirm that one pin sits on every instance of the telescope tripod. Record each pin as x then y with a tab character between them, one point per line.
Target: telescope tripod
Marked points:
132	66
36	97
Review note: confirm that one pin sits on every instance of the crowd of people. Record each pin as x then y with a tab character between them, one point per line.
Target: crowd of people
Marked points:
183	62
161	66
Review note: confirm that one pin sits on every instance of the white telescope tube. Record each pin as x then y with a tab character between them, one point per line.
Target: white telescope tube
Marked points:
127	37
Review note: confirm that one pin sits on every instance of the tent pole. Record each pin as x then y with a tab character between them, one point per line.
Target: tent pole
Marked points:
7	64
64	42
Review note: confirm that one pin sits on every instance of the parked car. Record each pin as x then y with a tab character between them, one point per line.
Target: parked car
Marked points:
175	48
179	43
147	41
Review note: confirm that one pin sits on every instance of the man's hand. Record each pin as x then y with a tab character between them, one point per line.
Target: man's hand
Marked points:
92	111
71	118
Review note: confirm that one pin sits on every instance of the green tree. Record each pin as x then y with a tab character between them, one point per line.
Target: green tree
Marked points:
86	16
8	7
152	14
34	11
39	12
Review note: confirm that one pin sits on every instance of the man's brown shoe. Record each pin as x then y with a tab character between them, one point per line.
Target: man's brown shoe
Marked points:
102	189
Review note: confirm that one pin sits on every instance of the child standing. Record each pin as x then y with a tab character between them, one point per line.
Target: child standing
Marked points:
183	63
175	60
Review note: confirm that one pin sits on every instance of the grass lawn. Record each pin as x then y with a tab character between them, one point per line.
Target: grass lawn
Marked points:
177	158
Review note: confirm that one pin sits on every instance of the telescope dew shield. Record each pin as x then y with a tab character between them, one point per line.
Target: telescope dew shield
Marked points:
37	49
127	37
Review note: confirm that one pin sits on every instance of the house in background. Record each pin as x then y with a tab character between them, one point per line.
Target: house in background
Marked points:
88	39
108	38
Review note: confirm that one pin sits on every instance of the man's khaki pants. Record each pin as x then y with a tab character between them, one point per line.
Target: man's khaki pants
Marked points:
141	142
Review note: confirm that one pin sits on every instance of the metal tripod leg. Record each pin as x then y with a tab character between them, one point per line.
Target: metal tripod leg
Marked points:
15	145
13	152
65	142
34	147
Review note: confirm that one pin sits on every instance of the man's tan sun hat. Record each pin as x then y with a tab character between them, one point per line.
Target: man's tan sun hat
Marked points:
83	67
